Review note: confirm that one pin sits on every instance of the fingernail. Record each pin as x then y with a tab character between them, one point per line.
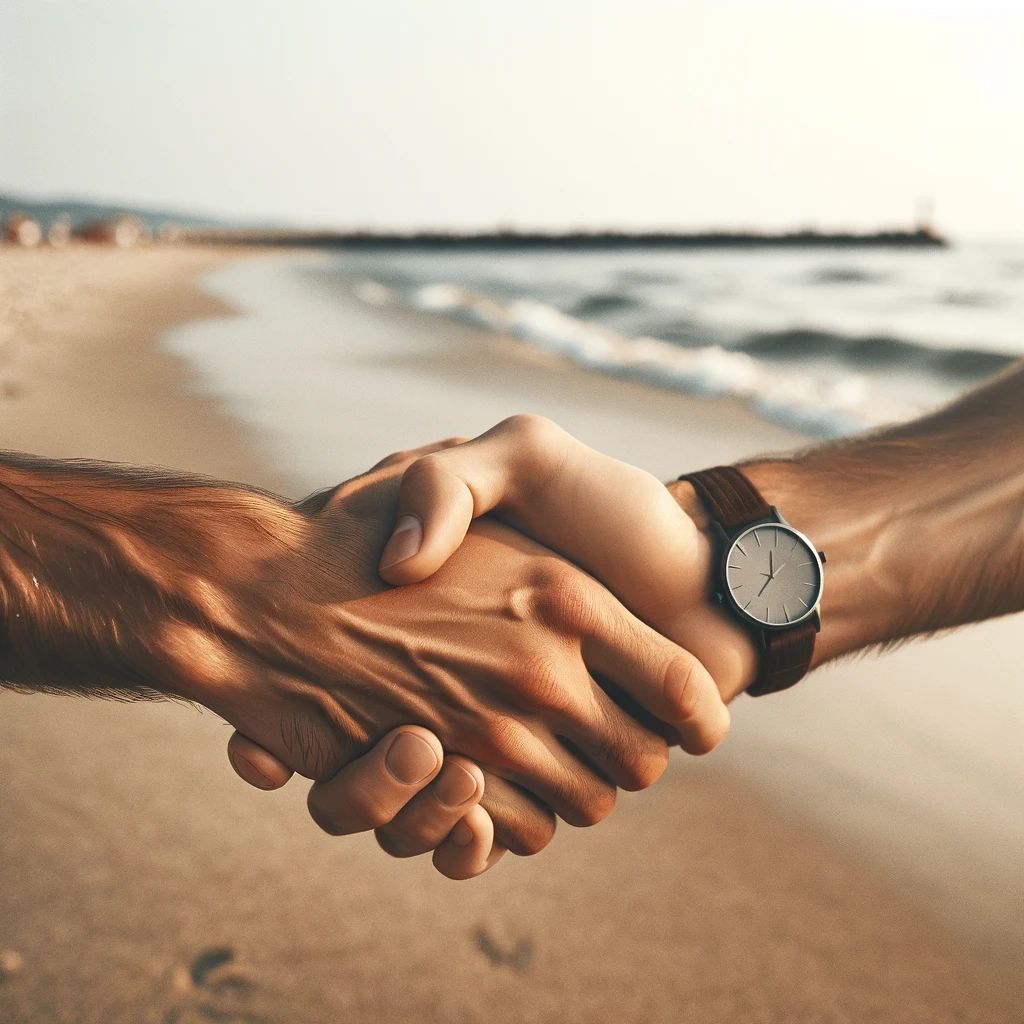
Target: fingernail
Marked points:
254	776
404	542
461	835
454	785
410	759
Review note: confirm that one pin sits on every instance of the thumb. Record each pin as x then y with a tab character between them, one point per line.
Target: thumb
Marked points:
443	492
435	509
257	766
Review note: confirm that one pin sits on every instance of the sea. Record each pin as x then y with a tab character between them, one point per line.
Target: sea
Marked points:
827	340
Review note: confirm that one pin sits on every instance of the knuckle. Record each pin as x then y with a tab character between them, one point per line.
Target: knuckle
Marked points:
399	844
544	688
522	824
529	838
682	688
593	806
654	765
642	768
423	469
530	844
710	738
530	429
541	449
399	456
561	599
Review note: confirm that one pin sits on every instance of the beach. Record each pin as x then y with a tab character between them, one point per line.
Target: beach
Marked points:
851	854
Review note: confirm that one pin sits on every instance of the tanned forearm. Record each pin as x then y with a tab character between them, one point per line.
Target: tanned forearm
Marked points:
102	567
923	523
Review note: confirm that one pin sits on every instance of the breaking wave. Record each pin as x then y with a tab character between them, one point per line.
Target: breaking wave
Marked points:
746	371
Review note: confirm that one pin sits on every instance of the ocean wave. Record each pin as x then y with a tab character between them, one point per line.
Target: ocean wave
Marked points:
874	352
685	331
827	407
602	303
846	275
689	356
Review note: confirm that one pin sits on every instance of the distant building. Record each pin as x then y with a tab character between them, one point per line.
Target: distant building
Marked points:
123	231
59	233
170	233
21	229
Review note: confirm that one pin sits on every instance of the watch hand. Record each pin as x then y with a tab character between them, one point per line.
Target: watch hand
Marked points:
766	582
771	571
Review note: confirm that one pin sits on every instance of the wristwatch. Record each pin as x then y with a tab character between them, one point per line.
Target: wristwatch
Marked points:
768	575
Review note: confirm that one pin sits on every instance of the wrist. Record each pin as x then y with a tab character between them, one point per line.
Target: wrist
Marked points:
730	653
917	539
921	523
861	587
859	590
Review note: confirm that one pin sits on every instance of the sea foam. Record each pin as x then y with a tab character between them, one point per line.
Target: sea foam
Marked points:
832	407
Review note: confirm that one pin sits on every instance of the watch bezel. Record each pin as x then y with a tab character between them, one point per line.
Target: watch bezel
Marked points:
777	522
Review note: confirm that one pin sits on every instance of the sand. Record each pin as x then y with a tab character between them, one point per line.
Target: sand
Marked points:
140	881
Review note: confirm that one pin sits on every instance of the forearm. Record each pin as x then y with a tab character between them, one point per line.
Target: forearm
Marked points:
101	568
923	523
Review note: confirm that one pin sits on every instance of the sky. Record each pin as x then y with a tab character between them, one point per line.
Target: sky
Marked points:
579	113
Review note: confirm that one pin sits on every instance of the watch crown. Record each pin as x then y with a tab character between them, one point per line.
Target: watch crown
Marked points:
821	555
718	597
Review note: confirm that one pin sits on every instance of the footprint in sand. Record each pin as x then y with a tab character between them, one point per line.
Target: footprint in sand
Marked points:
504	950
11	963
214	987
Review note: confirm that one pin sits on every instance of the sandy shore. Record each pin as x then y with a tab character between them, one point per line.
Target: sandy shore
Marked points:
142	882
80	373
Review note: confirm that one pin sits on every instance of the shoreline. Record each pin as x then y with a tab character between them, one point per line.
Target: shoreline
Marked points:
135	850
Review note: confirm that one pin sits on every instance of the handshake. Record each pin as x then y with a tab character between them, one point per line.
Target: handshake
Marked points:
476	637
520	666
458	646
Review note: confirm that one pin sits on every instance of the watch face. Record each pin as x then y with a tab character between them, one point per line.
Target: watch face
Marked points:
773	575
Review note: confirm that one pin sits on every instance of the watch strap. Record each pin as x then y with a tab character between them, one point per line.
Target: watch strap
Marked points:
732	499
785	660
734	502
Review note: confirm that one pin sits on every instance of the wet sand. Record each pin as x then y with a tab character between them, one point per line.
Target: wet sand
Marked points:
140	881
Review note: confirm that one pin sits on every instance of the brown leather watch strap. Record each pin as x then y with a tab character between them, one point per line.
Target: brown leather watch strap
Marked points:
785	660
735	502
731	498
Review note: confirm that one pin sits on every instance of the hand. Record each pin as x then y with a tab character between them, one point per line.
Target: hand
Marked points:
439	811
407	818
634	534
496	656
